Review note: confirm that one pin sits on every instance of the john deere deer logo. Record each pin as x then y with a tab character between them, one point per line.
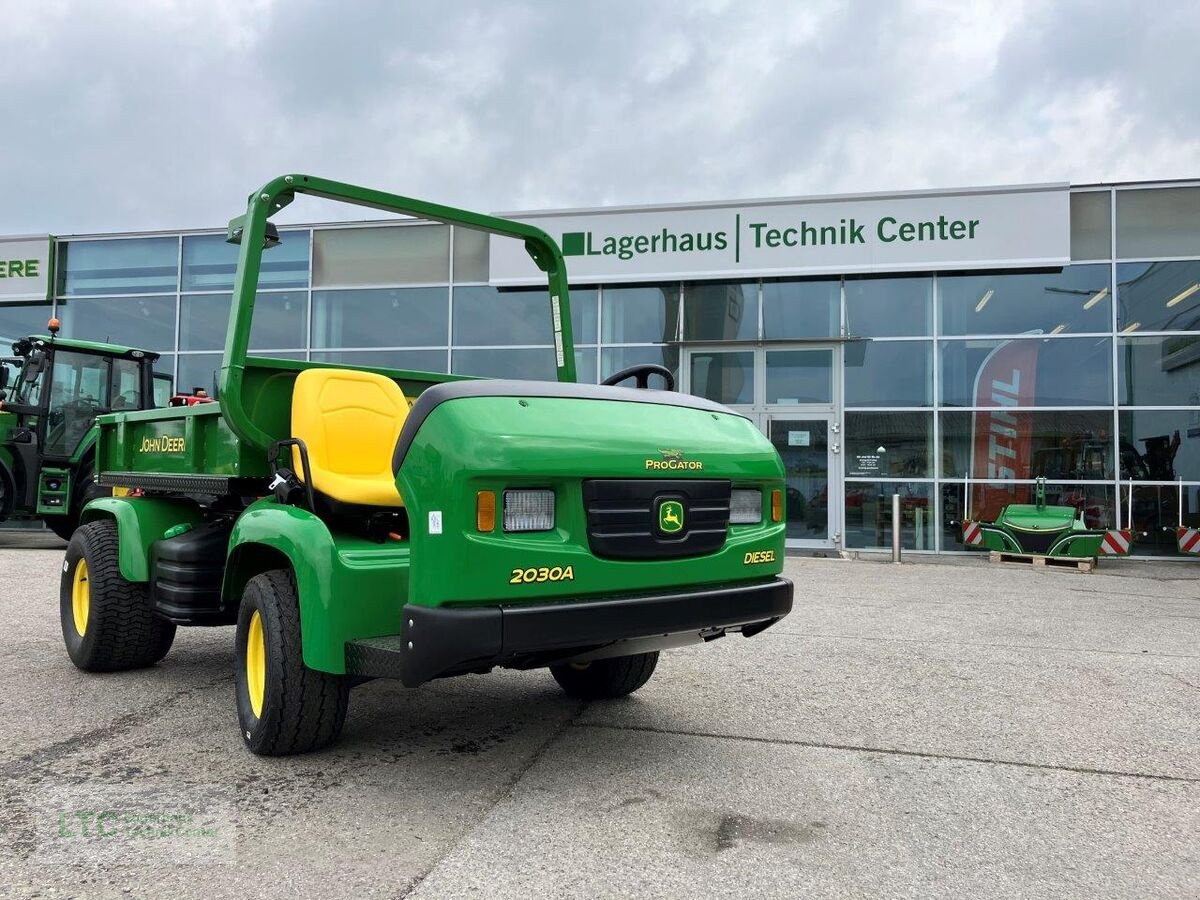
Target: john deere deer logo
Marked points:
673	460
670	516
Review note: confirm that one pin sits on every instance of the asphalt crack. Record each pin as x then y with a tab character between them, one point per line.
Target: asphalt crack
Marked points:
916	754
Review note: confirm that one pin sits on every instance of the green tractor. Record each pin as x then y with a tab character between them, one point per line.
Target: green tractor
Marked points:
361	523
51	391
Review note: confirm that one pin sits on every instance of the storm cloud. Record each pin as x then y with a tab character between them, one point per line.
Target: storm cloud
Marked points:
149	114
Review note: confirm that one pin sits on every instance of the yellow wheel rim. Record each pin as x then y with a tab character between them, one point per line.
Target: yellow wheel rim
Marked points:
256	663
81	597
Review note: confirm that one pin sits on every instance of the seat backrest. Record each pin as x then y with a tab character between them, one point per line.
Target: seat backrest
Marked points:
350	422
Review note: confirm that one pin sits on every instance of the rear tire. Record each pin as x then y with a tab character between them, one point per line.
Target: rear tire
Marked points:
284	707
605	679
107	622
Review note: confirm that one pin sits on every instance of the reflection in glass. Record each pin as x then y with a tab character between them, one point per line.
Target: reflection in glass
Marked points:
724	376
803	446
1159	371
369	257
1157	516
585	365
409	360
801	308
144	322
1074	299
1161	296
209	262
1001	443
1028	372
125	266
18	320
530	364
203	370
1160	445
643	314
486	316
888	307
889	373
386	317
1095	501
280	320
869	514
614	359
889	444
720	311
795	377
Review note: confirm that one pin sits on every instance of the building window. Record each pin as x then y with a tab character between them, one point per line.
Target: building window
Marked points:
1157	222
125	266
209	262
385	317
1160	296
720	311
641	315
370	257
1159	371
1091	225
889	373
796	377
886	307
408	360
1010	444
889	445
280	321
147	323
1027	372
724	376
1160	445
1074	299
801	308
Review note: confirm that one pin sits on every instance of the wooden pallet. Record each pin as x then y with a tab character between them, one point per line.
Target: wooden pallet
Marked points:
1071	563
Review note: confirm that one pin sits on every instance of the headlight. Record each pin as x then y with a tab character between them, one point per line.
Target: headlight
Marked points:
528	510
745	506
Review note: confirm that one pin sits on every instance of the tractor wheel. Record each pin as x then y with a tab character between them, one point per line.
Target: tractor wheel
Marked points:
605	679
284	707
107	622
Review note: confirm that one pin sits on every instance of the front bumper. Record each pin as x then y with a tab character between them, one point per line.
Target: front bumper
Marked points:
438	641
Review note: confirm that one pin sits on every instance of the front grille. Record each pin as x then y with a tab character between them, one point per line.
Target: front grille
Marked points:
623	517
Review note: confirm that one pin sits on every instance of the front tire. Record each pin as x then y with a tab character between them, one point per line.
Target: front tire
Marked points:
605	679
107	622
284	707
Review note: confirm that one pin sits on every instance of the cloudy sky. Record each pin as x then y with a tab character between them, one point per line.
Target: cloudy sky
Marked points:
144	114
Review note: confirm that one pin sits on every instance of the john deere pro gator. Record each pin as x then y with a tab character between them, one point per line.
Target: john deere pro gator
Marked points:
359	523
51	391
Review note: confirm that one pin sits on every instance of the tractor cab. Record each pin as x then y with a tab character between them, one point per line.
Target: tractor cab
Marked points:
51	391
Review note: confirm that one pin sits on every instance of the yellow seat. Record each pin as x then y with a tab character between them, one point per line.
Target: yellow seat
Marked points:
350	422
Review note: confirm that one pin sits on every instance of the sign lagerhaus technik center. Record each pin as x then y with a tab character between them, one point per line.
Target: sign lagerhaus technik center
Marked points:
1008	227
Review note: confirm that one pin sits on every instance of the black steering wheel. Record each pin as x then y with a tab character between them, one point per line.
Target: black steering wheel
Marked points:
642	373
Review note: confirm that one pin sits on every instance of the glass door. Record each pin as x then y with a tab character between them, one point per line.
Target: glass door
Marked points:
808	444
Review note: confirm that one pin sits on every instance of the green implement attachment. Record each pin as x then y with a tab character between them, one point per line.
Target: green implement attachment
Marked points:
1039	529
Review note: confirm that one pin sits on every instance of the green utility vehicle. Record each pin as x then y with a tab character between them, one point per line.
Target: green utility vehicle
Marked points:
359	523
51	391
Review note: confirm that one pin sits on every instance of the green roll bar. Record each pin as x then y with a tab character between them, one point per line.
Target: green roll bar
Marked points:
250	232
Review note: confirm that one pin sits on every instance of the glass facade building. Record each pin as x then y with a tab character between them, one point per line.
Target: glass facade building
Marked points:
869	385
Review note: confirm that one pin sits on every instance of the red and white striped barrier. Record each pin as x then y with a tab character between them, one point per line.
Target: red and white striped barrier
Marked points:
972	534
1116	542
1189	540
